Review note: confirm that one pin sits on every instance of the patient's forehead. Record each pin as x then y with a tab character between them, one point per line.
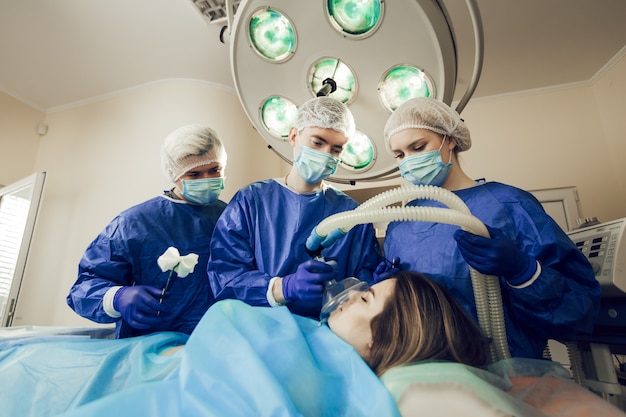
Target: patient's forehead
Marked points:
384	289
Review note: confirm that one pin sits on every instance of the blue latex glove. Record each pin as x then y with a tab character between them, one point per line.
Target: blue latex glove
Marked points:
307	283
497	256
139	305
386	270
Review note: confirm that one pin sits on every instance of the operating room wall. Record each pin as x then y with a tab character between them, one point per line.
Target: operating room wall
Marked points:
610	94
104	156
557	137
18	138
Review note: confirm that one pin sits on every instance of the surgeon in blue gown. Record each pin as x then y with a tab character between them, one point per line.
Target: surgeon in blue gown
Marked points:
119	279
258	252
549	289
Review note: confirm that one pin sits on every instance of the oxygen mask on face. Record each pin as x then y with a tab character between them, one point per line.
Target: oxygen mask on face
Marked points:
338	292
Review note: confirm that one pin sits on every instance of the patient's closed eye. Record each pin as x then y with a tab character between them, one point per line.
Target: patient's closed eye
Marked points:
367	295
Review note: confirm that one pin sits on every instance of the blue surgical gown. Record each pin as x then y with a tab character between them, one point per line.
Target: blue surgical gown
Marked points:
564	299
125	253
262	234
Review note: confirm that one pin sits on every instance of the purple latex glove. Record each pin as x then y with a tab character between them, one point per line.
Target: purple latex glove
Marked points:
139	305
497	256
386	270
307	283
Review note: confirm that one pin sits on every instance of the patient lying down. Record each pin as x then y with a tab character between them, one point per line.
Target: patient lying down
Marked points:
248	361
432	356
409	318
405	319
437	357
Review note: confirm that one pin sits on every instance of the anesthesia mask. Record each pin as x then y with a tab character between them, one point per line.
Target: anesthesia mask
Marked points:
337	293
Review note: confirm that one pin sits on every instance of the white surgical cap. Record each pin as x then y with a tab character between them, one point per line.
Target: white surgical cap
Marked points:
189	147
430	114
326	113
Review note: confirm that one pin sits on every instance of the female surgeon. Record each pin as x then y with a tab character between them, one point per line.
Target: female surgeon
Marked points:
258	251
548	287
119	278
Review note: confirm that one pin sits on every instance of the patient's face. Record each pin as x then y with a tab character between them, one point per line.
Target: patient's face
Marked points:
351	321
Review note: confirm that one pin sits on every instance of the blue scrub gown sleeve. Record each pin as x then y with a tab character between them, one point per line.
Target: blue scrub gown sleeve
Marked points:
232	268
364	252
101	267
262	235
126	253
564	299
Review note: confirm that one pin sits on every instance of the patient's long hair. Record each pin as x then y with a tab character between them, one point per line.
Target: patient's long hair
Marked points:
421	321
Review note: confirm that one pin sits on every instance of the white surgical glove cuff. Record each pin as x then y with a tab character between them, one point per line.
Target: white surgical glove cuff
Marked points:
531	280
107	302
270	295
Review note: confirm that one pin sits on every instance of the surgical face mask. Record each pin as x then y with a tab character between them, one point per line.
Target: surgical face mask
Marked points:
425	168
314	166
203	191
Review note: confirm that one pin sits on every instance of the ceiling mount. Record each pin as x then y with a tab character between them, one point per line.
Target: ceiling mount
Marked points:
216	11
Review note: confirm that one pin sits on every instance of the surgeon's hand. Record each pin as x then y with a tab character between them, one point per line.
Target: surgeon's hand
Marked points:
307	283
386	270
139	305
497	256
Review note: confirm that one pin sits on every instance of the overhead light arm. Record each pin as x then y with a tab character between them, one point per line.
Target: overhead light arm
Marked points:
229	16
479	43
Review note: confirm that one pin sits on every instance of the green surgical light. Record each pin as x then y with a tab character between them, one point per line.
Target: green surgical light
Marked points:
371	55
278	114
403	82
355	17
358	153
272	35
340	73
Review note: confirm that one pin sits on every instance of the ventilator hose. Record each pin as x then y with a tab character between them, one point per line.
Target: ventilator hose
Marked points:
575	362
496	314
486	289
348	219
412	192
487	295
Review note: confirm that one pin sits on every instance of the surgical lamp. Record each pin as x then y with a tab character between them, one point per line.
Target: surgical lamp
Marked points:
370	54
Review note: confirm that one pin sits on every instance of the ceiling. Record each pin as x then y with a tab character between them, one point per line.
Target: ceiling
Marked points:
55	53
